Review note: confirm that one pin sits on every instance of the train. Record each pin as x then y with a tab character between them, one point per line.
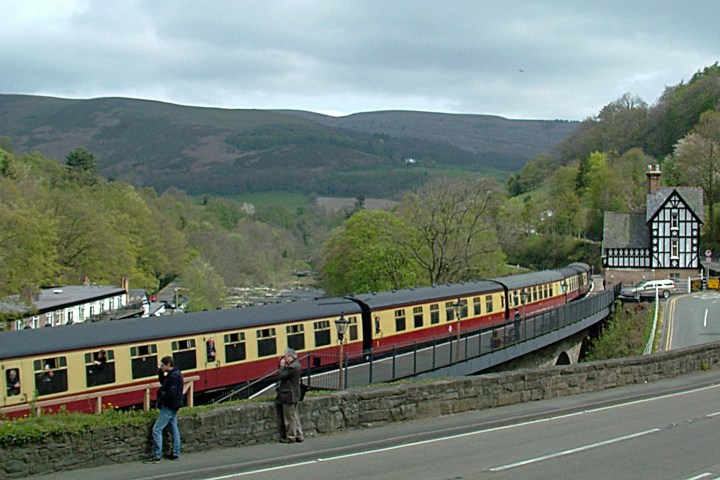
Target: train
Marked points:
117	360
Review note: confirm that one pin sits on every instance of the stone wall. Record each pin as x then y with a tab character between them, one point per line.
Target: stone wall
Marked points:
362	408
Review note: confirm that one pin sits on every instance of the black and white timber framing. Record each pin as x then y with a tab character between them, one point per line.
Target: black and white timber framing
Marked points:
666	236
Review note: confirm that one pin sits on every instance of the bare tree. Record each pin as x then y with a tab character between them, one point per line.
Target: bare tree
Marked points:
454	237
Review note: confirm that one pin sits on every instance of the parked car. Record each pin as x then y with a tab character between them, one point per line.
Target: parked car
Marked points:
647	289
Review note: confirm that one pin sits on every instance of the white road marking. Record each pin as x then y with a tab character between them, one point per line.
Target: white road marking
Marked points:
702	475
705	320
480	432
573	450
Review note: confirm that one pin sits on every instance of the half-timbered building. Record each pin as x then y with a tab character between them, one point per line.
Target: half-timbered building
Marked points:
662	242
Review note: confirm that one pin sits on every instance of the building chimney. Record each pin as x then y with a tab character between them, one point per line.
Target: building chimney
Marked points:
653	179
125	284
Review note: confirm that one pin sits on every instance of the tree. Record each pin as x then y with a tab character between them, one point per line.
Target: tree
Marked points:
82	166
566	214
28	255
697	161
601	194
205	288
365	255
9	166
454	236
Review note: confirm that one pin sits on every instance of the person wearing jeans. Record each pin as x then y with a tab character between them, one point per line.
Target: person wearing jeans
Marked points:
170	399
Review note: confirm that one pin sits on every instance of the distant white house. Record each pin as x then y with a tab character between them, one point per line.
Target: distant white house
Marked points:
71	304
410	161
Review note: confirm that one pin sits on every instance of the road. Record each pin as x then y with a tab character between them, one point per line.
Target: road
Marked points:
692	319
664	430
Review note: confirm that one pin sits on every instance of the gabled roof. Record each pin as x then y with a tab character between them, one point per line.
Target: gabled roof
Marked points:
625	230
692	196
69	295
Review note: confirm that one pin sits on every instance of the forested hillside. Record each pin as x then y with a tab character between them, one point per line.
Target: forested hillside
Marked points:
230	152
601	165
551	212
61	221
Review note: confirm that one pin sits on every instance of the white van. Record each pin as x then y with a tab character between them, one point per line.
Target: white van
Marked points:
647	289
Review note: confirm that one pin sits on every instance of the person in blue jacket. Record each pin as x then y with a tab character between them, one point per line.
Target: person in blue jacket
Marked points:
169	400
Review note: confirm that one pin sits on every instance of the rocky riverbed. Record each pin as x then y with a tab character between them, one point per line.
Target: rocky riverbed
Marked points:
263	295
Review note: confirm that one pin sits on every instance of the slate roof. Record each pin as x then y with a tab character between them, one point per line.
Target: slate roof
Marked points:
625	230
693	196
630	230
53	298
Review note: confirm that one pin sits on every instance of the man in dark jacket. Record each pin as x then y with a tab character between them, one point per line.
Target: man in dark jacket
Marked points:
169	400
289	396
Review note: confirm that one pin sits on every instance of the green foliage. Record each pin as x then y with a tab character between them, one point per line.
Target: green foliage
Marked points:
629	123
9	166
366	254
35	429
533	252
82	166
227	213
53	231
205	288
624	334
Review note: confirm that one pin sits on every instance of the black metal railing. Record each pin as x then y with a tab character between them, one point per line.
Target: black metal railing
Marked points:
402	360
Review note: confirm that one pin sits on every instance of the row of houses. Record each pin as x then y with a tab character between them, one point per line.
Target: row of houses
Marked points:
71	304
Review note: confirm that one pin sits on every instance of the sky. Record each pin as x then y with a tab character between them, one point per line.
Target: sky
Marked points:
536	59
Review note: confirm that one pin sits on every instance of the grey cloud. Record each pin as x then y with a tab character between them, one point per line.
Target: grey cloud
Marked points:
522	59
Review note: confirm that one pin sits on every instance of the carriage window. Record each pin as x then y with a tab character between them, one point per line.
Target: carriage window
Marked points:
515	298
400	320
50	375
144	360
477	306
234	347
488	303
322	333
184	355
295	337
353	329
99	368
12	380
418	317
534	294
434	314
449	311
266	342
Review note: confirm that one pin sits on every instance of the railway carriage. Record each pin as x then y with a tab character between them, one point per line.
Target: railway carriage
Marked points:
59	363
419	314
55	363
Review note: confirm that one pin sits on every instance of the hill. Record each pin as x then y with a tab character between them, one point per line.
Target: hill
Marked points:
227	152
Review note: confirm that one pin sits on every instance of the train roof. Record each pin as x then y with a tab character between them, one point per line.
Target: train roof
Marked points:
528	279
574	269
410	296
23	343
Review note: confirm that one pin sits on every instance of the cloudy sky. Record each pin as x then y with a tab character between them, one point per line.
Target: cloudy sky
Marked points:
536	59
